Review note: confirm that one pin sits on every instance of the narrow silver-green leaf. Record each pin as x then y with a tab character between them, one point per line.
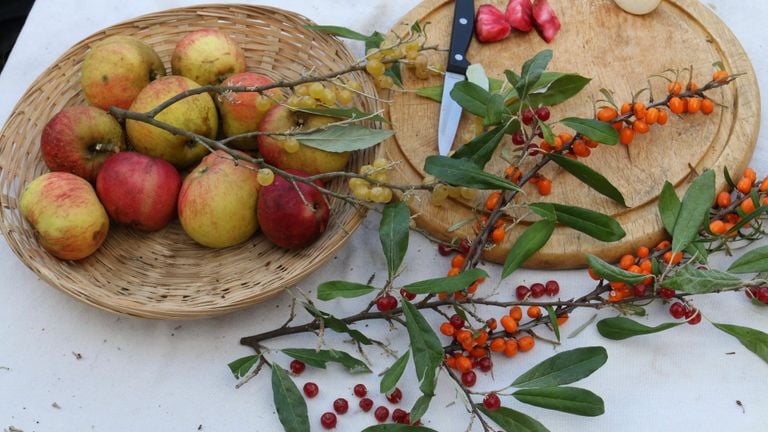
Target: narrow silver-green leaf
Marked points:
337	325
560	89
593	129
572	400
290	405
426	349
432	92
669	207
394	233
394	427
531	72
243	365
754	340
594	224
334	289
563	368
344	138
620	328
447	284
690	279
512	421
471	97
394	373
420	407
553	321
480	150
612	273
341	32
588	176
754	261
694	208
529	242
461	172
320	358
545	210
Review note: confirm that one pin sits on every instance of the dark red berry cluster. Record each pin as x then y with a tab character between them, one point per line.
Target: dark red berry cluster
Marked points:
758	293
680	310
537	290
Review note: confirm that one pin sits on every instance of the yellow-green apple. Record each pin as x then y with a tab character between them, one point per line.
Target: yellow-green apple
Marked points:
308	159
195	114
79	139
291	216
116	69
139	190
66	214
241	112
207	56
217	202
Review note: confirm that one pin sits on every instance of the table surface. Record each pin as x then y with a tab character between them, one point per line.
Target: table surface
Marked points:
66	366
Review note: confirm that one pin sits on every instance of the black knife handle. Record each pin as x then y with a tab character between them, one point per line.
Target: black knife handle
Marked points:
461	36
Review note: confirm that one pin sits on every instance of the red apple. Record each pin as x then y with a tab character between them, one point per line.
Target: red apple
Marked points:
139	190
241	112
207	56
79	139
289	220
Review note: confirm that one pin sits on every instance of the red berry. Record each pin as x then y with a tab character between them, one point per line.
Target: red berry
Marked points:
762	295
693	316
456	321
444	249
297	367
553	288
491	402
640	290
464	246
407	294
485	364
311	389
341	406
395	395
469	378
751	292
527	116
386	303
398	415
537	290
328	420
677	310
542	113
521	292
381	414
366	404
666	293
518	138
360	390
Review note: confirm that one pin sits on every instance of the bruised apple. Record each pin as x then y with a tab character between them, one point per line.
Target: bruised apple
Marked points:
292	218
241	112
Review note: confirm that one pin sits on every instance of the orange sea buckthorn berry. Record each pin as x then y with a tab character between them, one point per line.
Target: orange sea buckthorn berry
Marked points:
447	329
720	76
642	252
478	353
511	347
728	226
516	313
463	364
669	259
592	274
646	265
482	337
692	87
764	185
481	222
617	125
545	186
565	137
442	296
639	110
562	319
747	206
640	126
626	136
581	149
676	105
625	108
663	117
450	361
606	114
473	288
617	285
453	271
635	269
694	105
614	296
457	261
674	88
652	116
463	336
497	345
707	106
526	343
591	144
557	143
663	245
724	199
498	234
732	218
509	324
626	261
534	312
750	174
460	295
492	200
744	185
717	227
492	324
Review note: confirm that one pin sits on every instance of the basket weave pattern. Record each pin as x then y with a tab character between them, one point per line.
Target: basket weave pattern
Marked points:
166	275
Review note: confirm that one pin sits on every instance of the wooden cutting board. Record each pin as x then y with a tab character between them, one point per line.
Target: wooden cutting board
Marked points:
619	52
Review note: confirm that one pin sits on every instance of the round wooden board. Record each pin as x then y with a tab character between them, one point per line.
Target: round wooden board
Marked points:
619	52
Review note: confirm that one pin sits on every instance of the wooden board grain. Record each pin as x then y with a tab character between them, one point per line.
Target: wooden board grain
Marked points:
619	52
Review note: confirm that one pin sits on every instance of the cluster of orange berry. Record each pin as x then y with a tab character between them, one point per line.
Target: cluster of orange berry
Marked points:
639	263
725	199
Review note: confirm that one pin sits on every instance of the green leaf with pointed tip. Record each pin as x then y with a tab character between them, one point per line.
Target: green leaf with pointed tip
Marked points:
512	421
594	224
620	328
337	325
420	407
433	92
341	32
343	138
588	176
394	373
531	72
545	210
394	427
290	405
754	261
461	172
480	149
754	340
447	284
393	233
563	368
471	97
243	365
320	358
593	129
553	322
613	273
669	207
529	242
559	90
496	111
572	400
393	71
691	280
334	289
549	136
426	349
694	209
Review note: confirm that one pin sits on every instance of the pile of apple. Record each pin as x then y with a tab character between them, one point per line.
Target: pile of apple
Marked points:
145	177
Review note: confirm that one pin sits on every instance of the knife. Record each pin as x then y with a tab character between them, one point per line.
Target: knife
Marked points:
455	71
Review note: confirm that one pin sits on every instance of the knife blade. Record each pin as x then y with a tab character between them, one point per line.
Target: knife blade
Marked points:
455	71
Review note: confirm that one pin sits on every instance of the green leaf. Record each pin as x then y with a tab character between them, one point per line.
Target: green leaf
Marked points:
529	242
461	172
728	178
754	340
512	77
433	92
480	150
531	72
343	138
553	321
613	273
669	207
394	233
694	208
593	129
563	368
243	365
549	136
620	328
340	31
342	113
754	261
447	284
512	421
394	427
420	407
333	289
374	41
426	350
320	358
572	400
590	177
337	325
545	210
394	373
691	280
290	405
471	97
559	90
393	71
594	224
495	110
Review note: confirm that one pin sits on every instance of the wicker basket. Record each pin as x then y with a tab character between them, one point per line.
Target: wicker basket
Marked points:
165	275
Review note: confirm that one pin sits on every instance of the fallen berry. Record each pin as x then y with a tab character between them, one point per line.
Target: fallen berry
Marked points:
491	402
311	389
395	395
328	420
490	24
360	390
521	292
469	378
381	414
297	367
553	288
341	406
366	404
398	415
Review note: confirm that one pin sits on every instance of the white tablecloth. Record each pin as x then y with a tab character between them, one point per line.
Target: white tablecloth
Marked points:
65	366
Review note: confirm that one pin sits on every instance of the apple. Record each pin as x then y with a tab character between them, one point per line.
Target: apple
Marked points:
195	114
308	159
139	190
292	218
79	139
66	214
116	69
217	202
241	112
207	56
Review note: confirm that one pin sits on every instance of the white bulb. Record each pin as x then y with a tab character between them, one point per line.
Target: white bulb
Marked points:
638	7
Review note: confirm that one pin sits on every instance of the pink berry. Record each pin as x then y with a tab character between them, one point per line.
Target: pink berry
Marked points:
395	395
552	287
360	390
542	113
366	404
328	420
341	406
468	378
311	389
521	292
537	290
297	367
381	414
485	364
491	402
